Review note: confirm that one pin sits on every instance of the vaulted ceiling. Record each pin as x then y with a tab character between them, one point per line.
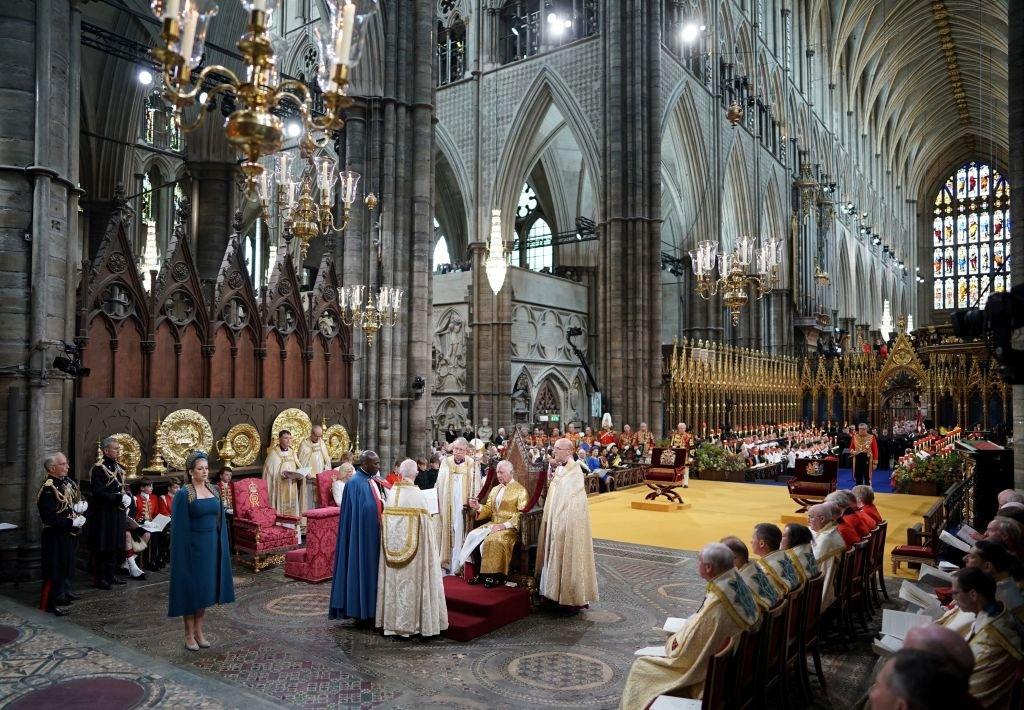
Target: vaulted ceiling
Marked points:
928	79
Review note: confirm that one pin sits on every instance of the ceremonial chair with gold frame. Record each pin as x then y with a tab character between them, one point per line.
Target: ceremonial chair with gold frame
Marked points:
814	479
666	473
261	533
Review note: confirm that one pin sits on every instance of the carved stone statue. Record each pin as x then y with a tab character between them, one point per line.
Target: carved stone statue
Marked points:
484	432
449	353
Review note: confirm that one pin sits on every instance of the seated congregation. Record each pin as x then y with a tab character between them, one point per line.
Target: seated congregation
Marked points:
763	621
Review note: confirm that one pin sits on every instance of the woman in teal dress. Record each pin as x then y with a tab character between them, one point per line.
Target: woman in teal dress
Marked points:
200	558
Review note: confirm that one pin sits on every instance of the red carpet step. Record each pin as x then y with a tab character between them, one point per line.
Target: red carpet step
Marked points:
474	610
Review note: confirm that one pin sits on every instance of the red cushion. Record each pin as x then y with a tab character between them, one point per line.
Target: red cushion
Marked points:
913	551
278	535
264	517
322	513
808	488
295	555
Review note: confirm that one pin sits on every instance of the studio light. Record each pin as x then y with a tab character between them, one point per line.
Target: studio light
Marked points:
690	32
145	77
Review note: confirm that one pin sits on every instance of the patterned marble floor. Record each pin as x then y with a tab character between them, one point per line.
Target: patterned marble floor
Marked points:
275	646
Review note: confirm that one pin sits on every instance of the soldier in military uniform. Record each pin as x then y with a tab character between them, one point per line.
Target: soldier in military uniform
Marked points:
60	508
108	518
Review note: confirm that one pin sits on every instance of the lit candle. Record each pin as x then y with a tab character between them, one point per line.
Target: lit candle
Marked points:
188	36
171	8
260	5
343	43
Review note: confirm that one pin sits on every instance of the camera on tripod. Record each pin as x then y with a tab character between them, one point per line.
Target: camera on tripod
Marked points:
996	324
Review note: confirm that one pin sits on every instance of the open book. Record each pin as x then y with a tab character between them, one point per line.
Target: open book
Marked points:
968	534
928	603
954	541
157	524
673	625
934	577
297	475
898	623
658	651
430	498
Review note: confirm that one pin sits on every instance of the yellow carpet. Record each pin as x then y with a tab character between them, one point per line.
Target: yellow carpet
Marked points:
718	509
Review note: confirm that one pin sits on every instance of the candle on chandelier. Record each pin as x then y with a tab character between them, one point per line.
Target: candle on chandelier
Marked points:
188	36
343	43
171	8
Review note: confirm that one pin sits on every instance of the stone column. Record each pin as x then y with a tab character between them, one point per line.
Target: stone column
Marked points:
1016	127
38	172
490	374
630	354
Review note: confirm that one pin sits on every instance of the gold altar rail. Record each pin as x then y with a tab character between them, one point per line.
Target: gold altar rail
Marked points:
705	377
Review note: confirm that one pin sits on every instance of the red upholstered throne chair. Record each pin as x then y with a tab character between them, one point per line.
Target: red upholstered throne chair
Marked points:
259	530
666	473
814	479
315	562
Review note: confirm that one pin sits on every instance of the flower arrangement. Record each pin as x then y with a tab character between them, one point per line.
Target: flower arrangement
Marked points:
940	470
710	457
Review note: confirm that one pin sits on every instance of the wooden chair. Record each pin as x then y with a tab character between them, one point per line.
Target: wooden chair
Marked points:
922	543
878	565
791	658
834	617
770	669
744	681
856	596
814	479
716	695
810	638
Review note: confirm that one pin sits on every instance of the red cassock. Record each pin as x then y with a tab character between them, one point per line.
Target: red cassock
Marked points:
146	509
849	533
166	504
865	516
859	524
871	510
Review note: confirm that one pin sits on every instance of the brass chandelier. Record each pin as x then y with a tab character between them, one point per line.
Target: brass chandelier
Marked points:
362	308
302	191
735	277
254	129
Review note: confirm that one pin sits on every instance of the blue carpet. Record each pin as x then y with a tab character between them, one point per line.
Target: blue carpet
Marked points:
880	480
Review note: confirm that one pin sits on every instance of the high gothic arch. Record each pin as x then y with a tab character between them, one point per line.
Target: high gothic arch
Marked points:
547	95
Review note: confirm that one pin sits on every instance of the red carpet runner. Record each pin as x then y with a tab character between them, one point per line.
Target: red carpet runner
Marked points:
474	610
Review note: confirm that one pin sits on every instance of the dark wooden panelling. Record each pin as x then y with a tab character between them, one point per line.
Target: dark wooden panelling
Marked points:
183	342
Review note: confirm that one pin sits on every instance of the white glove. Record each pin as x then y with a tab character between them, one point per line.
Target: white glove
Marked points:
78	521
80	507
126	500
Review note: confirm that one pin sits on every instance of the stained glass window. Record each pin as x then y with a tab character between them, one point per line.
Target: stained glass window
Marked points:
970	238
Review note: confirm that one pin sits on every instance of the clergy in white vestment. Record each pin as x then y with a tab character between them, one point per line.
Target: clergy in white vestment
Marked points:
285	492
565	549
457	482
681	666
410	593
829	547
314	455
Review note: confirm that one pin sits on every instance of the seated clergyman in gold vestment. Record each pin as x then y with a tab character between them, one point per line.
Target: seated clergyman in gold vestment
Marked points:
410	592
285	491
504	506
681	666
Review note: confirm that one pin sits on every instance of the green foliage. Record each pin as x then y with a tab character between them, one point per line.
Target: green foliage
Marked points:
942	470
712	457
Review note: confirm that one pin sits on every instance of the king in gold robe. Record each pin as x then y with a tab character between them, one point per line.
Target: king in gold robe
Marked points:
457	482
285	493
504	506
410	591
728	609
565	548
